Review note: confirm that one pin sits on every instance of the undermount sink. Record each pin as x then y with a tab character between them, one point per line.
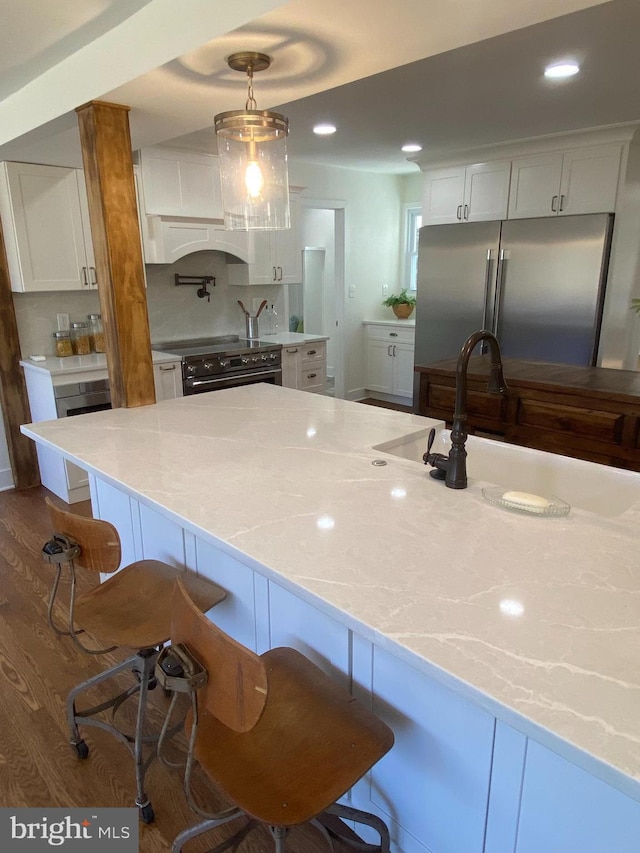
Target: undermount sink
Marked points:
596	488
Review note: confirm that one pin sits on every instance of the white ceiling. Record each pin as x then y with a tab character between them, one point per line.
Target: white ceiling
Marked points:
446	73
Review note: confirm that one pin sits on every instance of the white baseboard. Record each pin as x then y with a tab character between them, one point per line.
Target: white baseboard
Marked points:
356	394
6	479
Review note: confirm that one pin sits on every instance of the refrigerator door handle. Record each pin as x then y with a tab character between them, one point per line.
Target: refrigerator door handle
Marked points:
498	296
487	288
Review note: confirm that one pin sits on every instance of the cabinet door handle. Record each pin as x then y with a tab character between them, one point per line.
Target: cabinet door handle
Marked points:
275	276
394	350
94	277
389	351
459	212
167	366
553	204
85	280
466	211
561	207
280	268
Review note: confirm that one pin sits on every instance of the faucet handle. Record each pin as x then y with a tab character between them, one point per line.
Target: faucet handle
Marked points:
431	439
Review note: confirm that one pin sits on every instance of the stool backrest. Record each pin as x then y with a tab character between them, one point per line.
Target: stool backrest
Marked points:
98	540
236	688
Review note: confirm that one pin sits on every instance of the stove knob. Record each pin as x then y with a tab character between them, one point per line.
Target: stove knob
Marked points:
255	359
191	368
208	366
273	356
264	357
245	359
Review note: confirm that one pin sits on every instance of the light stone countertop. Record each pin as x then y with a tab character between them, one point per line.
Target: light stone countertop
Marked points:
285	479
292	339
56	366
410	322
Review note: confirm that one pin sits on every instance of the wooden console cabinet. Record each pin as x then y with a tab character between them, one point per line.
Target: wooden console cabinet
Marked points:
590	413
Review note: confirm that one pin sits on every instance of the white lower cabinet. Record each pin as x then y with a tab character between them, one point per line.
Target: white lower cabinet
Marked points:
390	358
167	377
304	367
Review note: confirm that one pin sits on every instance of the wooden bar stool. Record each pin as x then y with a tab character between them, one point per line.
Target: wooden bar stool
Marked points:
131	609
278	736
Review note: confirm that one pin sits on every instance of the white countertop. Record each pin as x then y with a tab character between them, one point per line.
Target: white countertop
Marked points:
286	478
392	321
290	339
82	363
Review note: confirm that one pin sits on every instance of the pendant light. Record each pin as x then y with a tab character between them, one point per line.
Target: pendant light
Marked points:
252	153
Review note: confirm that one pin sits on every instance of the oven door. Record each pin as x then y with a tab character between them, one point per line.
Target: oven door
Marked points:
272	376
78	398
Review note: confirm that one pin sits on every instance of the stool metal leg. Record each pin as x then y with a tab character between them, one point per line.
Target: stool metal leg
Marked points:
359	816
279	834
205	826
143	664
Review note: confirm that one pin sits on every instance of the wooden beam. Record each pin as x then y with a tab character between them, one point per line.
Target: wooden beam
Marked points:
108	167
13	392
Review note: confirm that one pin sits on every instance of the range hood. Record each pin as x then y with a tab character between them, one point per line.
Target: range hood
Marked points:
165	240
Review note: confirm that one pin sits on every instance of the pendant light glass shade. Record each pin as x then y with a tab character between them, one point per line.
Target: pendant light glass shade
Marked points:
252	155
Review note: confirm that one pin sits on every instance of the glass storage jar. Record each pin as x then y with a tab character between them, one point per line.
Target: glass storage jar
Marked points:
96	333
63	343
80	338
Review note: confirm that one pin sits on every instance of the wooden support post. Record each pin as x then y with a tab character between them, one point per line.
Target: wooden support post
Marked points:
13	392
108	167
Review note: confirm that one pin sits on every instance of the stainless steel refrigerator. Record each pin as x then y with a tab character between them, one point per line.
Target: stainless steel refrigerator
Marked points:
537	284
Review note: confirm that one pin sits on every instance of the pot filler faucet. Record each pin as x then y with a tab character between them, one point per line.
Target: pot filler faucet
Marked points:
452	468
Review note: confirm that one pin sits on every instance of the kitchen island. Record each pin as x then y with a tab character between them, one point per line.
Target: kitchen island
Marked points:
590	413
501	648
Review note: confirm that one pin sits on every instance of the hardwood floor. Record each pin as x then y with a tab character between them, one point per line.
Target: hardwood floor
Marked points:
37	669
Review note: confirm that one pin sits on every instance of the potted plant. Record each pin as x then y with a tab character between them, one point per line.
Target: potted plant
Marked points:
402	303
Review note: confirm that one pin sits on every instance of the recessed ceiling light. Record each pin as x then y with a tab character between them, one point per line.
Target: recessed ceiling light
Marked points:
411	148
562	69
324	129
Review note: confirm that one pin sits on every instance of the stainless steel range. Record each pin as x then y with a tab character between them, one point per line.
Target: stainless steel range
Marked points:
225	362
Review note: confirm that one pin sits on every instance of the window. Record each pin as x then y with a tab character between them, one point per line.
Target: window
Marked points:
412	225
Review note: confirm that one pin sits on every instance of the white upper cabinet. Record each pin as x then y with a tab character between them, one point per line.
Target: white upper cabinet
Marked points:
180	183
582	180
46	228
275	257
466	193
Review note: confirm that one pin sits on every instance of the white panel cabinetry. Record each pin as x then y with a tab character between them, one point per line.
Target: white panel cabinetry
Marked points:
167	377
390	358
180	183
581	180
46	228
466	193
304	367
275	257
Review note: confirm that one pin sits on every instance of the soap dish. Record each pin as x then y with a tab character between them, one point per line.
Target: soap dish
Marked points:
526	503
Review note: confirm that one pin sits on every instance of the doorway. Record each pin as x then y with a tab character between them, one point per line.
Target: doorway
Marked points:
319	300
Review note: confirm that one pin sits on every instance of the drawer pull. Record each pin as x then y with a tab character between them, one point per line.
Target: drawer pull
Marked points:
311	352
167	367
311	375
393	334
292	351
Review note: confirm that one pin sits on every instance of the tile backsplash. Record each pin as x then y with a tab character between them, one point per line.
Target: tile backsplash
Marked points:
174	312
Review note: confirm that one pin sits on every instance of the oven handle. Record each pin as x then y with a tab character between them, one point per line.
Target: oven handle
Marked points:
197	383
